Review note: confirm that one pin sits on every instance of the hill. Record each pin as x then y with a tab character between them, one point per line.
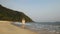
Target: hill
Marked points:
11	15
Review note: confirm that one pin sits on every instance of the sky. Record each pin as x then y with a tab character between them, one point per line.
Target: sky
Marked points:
37	10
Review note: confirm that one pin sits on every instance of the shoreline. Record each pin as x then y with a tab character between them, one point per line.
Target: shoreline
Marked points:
40	31
7	28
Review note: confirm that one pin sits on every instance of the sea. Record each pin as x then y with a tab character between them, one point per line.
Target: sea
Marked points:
41	27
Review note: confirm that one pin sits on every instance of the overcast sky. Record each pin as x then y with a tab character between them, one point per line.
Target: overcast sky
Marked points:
38	10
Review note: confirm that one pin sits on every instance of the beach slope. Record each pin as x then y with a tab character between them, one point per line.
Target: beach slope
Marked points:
7	28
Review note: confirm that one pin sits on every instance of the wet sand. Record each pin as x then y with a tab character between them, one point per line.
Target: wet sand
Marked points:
7	28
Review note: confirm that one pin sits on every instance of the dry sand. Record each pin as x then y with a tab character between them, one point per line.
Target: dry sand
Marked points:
7	28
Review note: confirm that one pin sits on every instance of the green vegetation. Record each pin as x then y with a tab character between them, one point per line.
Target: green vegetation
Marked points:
11	15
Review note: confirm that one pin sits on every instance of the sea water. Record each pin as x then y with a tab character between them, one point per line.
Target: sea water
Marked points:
44	27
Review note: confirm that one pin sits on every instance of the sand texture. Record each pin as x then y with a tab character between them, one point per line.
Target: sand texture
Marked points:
7	28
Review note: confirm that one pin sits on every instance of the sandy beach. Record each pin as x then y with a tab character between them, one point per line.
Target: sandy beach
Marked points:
7	28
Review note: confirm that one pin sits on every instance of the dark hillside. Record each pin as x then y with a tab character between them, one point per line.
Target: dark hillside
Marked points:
11	15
